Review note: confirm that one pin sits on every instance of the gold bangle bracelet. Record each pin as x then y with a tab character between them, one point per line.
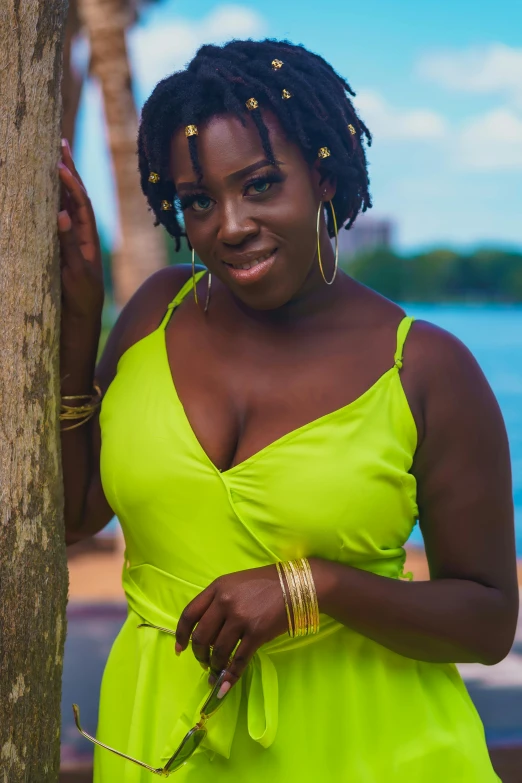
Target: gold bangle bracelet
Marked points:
290	625
300	599
95	398
303	596
83	412
291	590
73	426
295	598
306	598
312	593
313	596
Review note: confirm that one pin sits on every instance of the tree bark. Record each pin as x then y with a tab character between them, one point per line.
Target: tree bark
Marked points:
141	248
33	567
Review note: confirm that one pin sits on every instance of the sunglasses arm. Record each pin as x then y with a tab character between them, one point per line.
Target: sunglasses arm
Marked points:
162	771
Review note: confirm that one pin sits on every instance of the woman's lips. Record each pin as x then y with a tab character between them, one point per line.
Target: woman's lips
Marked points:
255	273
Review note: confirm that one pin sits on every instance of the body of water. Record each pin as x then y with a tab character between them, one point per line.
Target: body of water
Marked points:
493	333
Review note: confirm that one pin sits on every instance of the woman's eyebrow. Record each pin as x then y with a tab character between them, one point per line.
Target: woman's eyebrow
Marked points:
232	177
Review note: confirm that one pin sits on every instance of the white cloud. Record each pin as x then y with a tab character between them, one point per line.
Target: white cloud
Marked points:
393	124
493	69
158	50
492	141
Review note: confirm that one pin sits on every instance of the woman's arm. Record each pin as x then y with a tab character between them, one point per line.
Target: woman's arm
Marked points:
468	611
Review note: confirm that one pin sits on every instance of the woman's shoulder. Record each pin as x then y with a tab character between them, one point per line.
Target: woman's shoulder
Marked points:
437	352
450	389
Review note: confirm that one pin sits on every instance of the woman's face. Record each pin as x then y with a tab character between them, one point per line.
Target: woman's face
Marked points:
246	213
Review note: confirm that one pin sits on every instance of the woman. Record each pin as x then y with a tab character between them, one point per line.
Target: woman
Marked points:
284	414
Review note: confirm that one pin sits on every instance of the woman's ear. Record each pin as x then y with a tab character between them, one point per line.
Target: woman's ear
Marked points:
325	184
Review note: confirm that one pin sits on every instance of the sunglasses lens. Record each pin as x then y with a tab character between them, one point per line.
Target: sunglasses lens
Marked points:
189	745
212	704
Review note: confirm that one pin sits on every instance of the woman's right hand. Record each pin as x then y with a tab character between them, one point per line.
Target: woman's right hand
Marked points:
80	252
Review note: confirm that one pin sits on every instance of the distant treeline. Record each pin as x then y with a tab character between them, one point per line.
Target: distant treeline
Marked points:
488	275
441	275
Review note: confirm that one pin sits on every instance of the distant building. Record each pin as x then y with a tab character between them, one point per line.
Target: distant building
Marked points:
366	233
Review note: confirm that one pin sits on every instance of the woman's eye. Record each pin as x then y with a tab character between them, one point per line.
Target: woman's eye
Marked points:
261	186
201	203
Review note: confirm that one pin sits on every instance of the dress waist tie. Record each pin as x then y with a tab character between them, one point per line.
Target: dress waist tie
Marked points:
158	597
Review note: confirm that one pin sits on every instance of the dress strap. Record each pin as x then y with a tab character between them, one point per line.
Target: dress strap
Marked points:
180	296
402	333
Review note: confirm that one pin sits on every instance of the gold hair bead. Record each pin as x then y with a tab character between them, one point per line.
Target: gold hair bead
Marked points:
153	177
166	206
324	152
286	94
277	64
252	104
352	129
191	130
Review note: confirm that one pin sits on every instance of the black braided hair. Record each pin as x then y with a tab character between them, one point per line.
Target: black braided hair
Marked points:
220	79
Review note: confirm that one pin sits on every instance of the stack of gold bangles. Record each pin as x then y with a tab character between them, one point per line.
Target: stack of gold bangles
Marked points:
82	412
303	597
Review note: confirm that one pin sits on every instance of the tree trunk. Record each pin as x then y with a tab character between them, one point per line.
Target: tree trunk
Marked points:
141	249
33	566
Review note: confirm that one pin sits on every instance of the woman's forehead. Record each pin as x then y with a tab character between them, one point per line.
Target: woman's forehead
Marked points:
225	145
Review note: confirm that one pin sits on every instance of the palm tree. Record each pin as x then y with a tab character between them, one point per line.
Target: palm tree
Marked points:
142	247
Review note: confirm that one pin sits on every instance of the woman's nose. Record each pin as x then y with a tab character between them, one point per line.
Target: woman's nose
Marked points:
236	225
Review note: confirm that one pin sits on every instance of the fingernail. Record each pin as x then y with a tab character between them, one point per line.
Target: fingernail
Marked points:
64	142
178	648
224	689
203	665
64	221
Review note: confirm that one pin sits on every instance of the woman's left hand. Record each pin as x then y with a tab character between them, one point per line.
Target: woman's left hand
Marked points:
246	607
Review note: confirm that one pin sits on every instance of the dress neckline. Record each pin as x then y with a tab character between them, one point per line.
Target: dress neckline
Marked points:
326	417
160	334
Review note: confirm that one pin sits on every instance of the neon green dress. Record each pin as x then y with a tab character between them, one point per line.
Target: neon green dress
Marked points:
332	707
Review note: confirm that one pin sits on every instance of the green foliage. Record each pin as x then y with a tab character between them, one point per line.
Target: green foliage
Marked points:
487	275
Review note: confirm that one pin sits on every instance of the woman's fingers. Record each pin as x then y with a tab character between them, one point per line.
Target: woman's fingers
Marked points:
190	616
75	189
205	633
223	650
81	213
64	222
68	160
65	200
71	255
240	660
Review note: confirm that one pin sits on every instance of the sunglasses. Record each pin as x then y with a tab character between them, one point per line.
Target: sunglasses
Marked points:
191	741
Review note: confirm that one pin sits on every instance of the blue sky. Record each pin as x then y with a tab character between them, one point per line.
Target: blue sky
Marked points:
439	84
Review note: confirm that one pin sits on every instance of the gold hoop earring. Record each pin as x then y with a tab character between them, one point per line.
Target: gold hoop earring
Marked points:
194	285
328	282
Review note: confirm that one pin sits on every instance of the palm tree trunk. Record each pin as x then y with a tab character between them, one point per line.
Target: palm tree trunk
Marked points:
72	81
142	247
33	565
